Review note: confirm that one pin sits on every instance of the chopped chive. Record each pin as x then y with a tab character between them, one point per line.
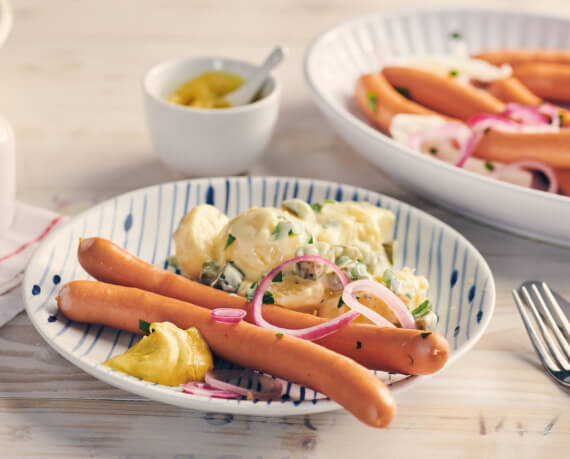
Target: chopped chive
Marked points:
433	150
291	233
372	100
487	130
278	277
279	335
144	326
340	302
311	240
422	310
403	91
231	238
453	73
489	166
561	117
358	345
329	201
456	35
317	206
425	335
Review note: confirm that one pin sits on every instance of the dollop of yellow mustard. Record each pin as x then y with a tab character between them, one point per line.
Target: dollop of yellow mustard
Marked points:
207	90
168	355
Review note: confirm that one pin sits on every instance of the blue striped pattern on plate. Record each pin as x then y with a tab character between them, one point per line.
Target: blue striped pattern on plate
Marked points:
143	221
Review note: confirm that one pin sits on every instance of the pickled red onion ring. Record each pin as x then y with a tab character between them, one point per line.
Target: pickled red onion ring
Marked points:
270	388
385	294
524	114
310	333
206	390
530	164
228	315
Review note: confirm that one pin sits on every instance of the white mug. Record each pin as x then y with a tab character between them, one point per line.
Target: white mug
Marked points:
7	175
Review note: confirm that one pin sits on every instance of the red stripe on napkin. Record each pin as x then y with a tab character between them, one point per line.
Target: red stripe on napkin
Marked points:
43	234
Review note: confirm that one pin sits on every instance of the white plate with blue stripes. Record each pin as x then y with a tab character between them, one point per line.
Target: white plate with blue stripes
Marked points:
340	55
142	221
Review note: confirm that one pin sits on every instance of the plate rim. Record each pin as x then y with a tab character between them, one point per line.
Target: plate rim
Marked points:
372	132
220	406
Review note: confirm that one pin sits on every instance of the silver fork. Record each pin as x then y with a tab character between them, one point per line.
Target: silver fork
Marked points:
553	350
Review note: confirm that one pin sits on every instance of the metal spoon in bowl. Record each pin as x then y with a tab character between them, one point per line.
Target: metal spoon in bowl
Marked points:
244	94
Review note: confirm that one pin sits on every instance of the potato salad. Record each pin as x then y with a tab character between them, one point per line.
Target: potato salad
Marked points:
234	255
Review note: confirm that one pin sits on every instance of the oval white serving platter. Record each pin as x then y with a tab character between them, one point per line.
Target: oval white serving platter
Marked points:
142	221
340	55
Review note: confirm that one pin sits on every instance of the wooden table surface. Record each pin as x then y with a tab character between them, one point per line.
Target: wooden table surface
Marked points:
70	83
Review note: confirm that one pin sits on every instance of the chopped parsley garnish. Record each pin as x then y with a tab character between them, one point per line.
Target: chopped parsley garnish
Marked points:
433	150
311	240
267	296
144	326
453	73
425	335
231	238
456	35
282	229
372	101
278	277
561	117
358	345
402	90
487	130
422	310
318	206
251	291
279	335
489	166
340	302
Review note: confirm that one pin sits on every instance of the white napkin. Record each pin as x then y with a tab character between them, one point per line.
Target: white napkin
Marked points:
31	224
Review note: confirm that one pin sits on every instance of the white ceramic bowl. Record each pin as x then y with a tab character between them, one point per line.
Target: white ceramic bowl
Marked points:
339	56
204	142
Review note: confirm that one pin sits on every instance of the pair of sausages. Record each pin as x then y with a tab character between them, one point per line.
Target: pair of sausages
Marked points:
387	349
341	377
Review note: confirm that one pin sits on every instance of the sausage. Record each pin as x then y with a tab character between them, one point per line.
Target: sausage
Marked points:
563	176
342	379
524	56
550	81
387	101
388	349
552	148
512	90
444	95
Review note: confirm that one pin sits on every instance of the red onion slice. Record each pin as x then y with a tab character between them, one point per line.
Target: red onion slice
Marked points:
206	390
530	164
385	294
310	333
524	114
269	388
552	112
228	315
